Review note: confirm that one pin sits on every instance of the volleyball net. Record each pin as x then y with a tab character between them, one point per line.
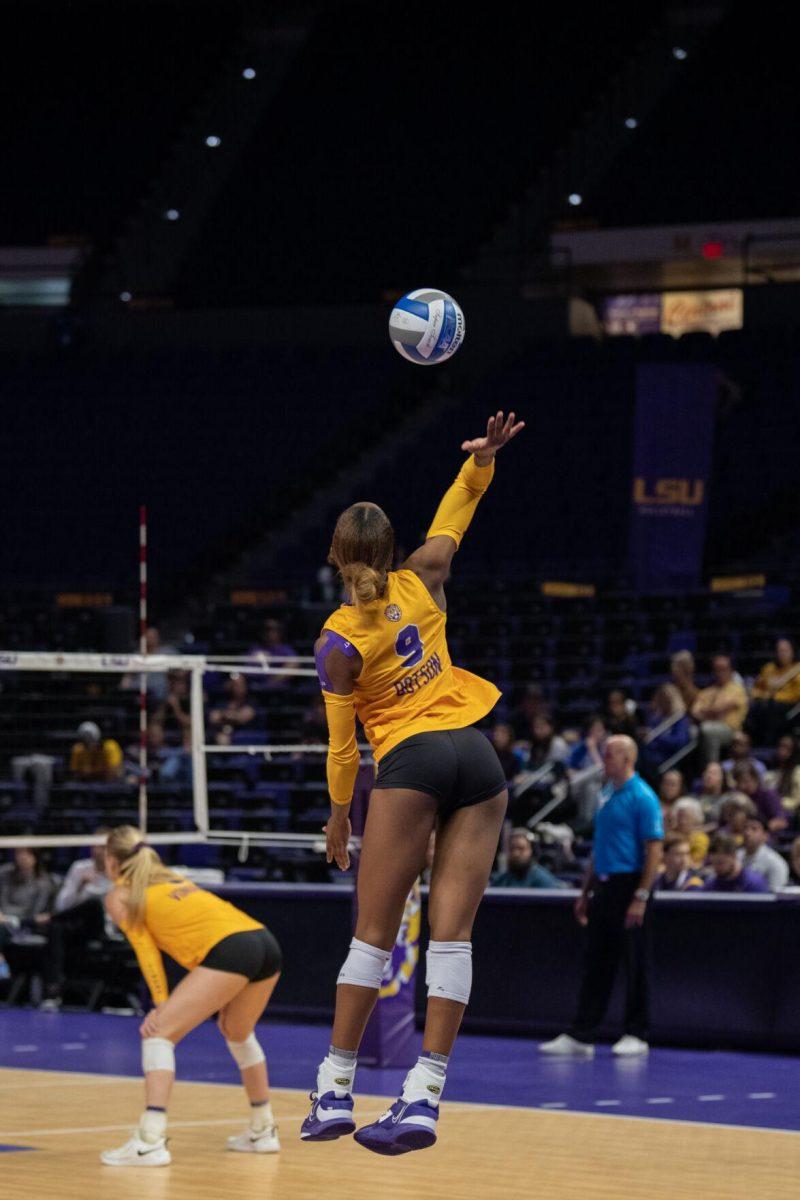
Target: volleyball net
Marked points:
191	748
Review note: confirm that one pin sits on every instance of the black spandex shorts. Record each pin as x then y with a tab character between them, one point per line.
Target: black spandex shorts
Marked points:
458	767
254	953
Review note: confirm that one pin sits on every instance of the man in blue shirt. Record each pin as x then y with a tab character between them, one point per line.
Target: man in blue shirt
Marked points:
628	838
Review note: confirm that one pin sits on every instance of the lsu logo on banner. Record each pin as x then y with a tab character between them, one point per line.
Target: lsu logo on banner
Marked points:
686	492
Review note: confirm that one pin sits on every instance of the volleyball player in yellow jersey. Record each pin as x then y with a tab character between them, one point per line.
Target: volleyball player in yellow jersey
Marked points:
383	656
233	964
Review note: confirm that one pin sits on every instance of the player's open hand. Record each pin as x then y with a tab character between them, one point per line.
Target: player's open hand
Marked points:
498	432
337	836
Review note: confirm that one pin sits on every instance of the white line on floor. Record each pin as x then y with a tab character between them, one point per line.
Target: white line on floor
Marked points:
760	1095
717	1096
34	1133
24	1049
659	1100
73	1045
607	1103
554	1104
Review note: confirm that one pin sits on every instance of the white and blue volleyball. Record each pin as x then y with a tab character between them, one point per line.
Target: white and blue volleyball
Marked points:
426	326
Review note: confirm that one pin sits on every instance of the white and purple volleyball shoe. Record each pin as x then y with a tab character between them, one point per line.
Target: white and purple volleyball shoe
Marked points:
407	1125
331	1117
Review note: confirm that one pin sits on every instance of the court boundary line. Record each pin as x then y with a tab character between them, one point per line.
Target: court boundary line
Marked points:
474	1106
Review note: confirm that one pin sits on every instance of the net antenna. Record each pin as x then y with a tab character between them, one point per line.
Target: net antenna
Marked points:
143	674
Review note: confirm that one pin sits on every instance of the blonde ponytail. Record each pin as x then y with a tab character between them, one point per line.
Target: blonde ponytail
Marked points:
139	868
364	584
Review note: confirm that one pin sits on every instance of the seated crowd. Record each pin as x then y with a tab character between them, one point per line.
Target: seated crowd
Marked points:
724	760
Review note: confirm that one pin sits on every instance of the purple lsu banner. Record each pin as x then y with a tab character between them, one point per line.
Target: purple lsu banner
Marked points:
673	441
390	1039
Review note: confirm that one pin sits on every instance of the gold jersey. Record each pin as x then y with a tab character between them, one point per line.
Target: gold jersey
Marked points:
407	683
185	921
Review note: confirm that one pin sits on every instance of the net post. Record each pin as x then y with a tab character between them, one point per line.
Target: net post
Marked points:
143	675
198	732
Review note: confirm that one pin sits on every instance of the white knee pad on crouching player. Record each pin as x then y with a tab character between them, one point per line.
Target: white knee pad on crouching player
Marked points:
449	971
364	965
247	1053
158	1054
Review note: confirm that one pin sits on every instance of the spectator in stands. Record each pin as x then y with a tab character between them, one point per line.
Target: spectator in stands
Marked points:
757	855
670	790
666	730
712	791
720	710
678	874
794	863
543	770
78	917
27	890
620	715
729	874
784	778
682	669
687	820
546	746
531	705
734	813
174	713
585	771
95	759
741	751
522	870
156	681
613	904
314	728
767	801
775	693
511	759
234	715
273	646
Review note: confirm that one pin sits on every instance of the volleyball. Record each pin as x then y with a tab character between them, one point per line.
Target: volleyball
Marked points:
426	326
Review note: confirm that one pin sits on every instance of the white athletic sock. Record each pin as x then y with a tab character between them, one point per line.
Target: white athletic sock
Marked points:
153	1124
261	1118
425	1081
337	1072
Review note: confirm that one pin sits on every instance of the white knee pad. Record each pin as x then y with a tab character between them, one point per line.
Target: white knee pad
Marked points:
247	1053
449	971
364	965
158	1054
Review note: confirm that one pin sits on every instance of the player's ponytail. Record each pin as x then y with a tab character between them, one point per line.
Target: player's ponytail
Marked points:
362	550
363	583
139	868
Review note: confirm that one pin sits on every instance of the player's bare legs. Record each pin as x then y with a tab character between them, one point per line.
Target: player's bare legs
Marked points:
466	845
237	1022
465	848
398	828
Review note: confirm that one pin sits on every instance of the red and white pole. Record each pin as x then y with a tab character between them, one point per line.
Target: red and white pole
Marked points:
143	674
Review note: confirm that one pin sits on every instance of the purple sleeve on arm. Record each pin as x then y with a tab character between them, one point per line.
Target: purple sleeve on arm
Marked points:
333	641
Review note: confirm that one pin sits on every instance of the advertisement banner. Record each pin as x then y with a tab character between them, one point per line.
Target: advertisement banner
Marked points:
673	441
712	312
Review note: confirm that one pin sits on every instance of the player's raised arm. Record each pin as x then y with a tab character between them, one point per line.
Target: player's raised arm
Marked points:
457	508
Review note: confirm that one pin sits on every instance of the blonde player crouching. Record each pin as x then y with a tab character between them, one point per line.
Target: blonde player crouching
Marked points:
233	965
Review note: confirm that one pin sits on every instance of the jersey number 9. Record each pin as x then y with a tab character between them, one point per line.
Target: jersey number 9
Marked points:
408	646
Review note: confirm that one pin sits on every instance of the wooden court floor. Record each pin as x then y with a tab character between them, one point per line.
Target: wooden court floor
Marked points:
484	1152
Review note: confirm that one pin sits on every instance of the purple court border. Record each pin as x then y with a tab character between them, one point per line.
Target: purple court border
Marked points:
723	1088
